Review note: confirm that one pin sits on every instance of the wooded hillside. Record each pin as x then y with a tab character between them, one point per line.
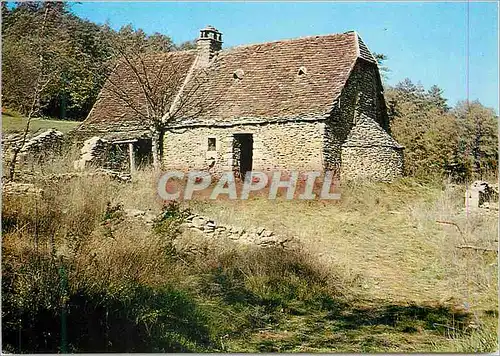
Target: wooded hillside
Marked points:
77	56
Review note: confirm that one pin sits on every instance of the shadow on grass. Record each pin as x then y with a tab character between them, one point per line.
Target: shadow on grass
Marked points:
140	320
280	318
405	318
340	327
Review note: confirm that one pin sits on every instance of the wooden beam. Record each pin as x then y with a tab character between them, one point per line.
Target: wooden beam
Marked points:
124	141
131	156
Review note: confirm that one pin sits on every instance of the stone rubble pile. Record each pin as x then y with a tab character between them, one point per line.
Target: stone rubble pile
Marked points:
120	176
145	216
12	188
12	141
490	206
47	140
93	153
209	230
481	194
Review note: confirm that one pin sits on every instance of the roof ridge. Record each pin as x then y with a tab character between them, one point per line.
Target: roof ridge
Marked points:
286	40
155	55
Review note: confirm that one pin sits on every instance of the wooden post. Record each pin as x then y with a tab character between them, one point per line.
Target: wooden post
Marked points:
131	156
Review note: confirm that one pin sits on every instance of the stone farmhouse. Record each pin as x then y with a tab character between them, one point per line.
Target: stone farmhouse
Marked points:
307	104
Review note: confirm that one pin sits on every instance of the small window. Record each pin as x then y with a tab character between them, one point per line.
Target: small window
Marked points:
211	144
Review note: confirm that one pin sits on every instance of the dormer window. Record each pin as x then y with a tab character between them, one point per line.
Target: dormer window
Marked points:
302	71
238	74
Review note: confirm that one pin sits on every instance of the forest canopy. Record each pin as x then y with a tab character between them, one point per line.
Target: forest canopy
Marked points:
77	53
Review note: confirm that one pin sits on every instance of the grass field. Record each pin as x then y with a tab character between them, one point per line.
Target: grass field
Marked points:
12	124
393	250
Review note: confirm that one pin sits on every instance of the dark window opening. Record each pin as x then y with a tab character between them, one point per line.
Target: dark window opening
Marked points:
144	153
211	144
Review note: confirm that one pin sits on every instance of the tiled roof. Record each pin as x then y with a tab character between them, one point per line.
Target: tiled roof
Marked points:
263	80
112	116
364	52
288	79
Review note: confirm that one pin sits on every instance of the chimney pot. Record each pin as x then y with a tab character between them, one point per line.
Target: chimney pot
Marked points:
208	44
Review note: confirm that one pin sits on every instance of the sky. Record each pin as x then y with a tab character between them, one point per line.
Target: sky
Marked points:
424	41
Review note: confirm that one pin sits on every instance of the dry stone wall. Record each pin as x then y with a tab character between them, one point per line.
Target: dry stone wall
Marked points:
206	230
376	163
13	188
259	236
277	146
11	141
99	152
93	153
47	140
36	146
481	193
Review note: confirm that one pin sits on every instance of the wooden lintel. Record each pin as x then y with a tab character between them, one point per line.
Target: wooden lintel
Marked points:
125	141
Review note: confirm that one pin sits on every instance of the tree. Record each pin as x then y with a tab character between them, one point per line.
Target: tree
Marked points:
420	123
157	93
478	145
42	67
384	70
461	143
436	99
186	45
72	50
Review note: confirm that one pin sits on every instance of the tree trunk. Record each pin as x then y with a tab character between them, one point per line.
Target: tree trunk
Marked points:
155	147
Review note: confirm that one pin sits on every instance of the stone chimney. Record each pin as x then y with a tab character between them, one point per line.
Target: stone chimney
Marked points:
209	43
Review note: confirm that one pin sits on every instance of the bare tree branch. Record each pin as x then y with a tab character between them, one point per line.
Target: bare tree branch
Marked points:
35	104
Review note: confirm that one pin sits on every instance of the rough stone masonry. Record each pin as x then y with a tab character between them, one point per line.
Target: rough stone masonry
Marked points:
313	103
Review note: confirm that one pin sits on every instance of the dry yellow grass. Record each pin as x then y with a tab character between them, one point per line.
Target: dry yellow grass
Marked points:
388	235
382	241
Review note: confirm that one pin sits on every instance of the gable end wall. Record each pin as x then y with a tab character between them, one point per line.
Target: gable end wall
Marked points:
362	95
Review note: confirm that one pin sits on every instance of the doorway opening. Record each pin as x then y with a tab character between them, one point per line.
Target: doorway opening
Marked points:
242	154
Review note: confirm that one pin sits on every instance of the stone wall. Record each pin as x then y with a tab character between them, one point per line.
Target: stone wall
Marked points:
357	141
93	153
37	145
371	163
276	146
99	152
480	193
259	236
13	140
198	231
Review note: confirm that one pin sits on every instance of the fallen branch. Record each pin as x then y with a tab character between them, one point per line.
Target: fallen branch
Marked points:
477	248
450	223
